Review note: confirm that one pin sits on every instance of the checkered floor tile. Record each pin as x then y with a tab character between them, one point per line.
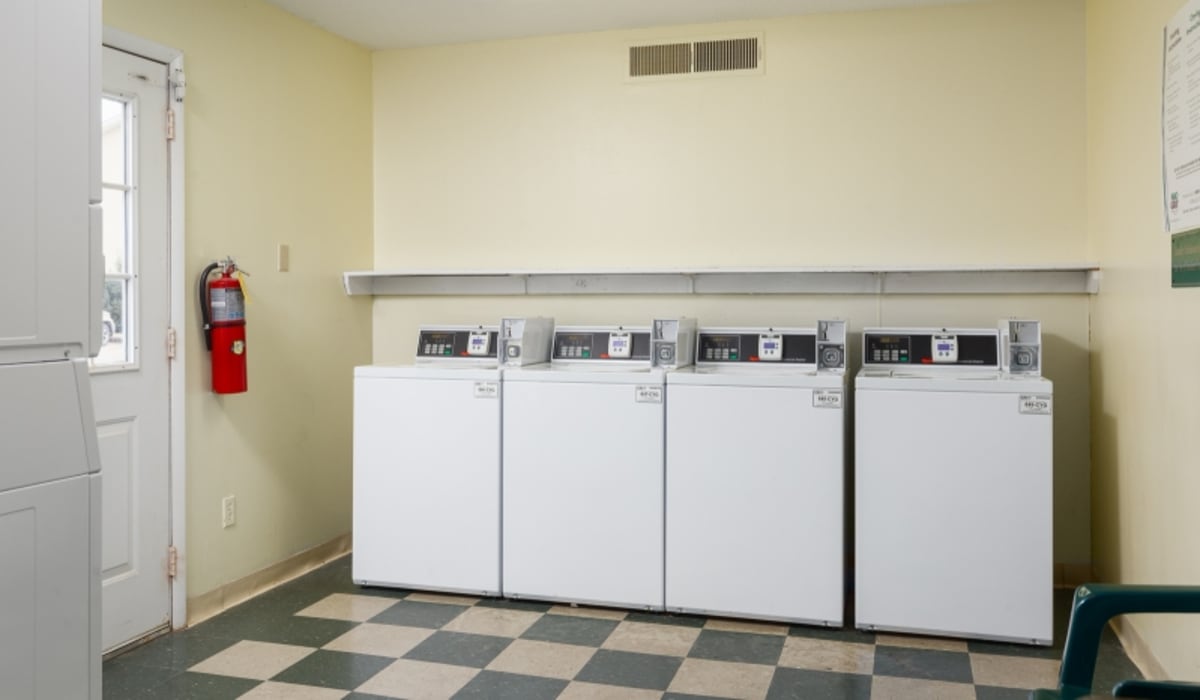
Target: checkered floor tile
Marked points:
322	637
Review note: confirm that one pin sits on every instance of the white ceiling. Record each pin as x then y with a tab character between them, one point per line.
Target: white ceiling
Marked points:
388	24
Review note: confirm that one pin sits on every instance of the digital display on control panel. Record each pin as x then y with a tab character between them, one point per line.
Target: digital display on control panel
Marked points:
602	345
477	344
976	349
747	347
456	343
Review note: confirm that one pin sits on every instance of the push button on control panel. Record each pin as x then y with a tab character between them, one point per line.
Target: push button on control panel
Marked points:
889	349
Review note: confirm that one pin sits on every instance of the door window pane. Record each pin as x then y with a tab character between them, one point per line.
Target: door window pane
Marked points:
118	319
113	212
112	143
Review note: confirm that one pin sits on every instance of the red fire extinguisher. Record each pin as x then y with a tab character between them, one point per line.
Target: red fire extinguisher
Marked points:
223	310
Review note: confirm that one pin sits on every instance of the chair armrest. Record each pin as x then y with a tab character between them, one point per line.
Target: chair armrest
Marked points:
1096	604
1157	690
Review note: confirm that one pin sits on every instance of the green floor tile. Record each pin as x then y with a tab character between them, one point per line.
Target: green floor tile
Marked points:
490	685
738	646
334	669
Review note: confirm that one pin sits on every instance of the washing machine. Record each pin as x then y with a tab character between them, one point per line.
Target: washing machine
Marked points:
756	468
954	483
427	458
583	465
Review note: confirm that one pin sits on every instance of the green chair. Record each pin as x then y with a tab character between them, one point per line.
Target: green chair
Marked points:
1094	605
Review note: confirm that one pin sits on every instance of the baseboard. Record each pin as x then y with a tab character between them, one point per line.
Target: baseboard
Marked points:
1073	575
1137	649
206	605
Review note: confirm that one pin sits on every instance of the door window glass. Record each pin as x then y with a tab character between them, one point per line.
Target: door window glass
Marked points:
118	348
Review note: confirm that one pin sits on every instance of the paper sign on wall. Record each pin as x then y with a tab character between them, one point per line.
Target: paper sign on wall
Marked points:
1181	119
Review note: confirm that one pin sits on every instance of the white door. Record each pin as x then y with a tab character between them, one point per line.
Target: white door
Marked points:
45	146
427	450
954	522
754	503
44	589
130	375
583	493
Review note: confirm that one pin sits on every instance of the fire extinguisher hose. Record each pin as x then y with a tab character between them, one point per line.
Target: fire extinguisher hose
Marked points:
205	311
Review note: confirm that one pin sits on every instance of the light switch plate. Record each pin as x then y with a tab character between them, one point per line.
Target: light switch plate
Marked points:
284	257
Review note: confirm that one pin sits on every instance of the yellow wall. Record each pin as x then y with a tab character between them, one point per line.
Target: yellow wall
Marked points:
1144	368
943	135
939	135
278	150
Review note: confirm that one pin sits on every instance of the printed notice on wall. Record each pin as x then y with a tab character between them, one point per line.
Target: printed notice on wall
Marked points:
1181	119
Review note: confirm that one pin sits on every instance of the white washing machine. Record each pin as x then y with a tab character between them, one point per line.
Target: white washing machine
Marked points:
953	484
755	475
427	458
583	466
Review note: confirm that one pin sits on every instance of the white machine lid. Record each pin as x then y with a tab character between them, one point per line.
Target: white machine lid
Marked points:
464	371
777	377
981	381
575	374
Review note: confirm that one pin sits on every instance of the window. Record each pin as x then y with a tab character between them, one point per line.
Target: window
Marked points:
118	325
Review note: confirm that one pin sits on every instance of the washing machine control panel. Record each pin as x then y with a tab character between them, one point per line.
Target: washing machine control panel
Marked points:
750	345
601	345
451	343
974	348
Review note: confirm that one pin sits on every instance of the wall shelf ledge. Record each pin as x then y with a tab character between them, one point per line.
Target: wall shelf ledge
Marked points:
1083	278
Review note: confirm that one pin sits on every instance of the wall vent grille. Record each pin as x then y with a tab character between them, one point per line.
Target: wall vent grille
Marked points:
660	59
728	54
695	57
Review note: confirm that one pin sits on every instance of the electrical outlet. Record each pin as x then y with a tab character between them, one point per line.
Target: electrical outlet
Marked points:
228	511
285	255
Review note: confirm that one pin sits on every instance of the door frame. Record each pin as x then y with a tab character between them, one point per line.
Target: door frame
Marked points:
177	310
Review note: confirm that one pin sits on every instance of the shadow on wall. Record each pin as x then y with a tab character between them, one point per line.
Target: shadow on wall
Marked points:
1106	529
1068	366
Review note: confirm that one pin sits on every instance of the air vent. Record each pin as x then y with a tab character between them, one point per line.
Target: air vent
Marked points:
695	57
662	59
729	54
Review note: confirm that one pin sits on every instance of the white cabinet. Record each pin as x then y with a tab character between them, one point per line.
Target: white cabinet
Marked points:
427	479
583	487
44	408
48	591
49	136
954	510
755	497
50	299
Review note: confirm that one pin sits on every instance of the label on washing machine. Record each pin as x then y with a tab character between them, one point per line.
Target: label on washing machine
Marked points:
487	390
827	398
1038	404
648	394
